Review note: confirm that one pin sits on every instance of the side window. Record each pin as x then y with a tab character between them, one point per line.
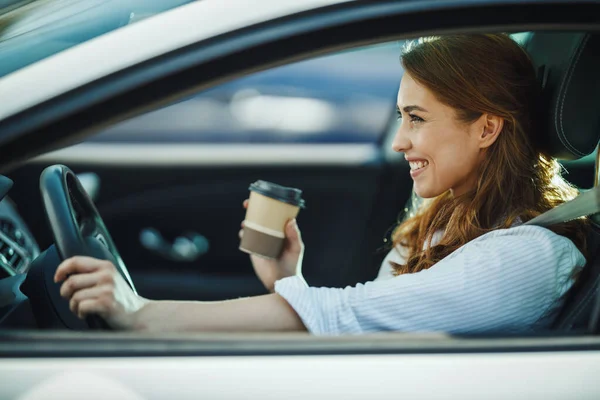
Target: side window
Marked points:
346	97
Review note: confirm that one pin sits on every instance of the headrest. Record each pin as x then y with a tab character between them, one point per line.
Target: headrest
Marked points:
569	69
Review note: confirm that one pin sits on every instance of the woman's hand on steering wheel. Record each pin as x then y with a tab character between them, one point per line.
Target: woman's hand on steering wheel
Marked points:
94	286
289	262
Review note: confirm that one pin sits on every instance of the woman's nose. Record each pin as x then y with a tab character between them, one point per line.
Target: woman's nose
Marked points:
401	141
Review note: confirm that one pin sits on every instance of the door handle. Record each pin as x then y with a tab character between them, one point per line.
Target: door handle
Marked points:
185	248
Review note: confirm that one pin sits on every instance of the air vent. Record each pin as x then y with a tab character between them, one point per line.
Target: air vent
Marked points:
13	255
14	233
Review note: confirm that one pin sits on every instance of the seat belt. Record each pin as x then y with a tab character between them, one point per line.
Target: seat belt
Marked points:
587	203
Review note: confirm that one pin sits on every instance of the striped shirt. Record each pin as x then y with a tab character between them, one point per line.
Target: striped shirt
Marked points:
508	280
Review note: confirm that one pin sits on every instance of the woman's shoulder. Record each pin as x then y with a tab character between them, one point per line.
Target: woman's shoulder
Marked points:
526	232
528	243
531	235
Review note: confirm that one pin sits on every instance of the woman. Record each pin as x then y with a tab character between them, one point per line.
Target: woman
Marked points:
462	264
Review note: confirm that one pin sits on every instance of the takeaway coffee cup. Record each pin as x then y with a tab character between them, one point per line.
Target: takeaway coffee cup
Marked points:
269	209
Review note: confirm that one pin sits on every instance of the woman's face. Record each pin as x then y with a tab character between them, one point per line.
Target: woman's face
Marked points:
443	153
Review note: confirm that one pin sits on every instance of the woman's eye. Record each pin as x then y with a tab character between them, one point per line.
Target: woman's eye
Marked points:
414	118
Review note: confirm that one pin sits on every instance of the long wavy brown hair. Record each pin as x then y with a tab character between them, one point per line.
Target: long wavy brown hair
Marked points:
476	74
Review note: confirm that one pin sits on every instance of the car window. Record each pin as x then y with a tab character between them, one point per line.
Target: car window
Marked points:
344	97
522	37
33	30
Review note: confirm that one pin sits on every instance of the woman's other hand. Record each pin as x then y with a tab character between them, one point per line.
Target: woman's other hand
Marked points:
94	286
289	262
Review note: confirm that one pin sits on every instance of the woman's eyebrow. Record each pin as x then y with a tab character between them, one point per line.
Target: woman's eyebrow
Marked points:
408	109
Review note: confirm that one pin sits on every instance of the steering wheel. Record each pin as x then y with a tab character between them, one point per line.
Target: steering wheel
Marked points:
76	224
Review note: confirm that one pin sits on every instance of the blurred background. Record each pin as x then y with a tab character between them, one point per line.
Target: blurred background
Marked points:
346	95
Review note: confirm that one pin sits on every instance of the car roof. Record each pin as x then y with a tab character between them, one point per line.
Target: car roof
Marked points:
122	48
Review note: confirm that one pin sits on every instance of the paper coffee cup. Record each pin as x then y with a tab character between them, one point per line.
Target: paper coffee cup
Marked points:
269	208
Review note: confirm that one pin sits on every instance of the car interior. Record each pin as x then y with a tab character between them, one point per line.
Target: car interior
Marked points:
351	210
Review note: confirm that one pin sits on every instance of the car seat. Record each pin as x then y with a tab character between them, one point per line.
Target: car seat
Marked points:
568	66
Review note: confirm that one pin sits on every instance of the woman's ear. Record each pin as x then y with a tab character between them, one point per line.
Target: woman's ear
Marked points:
492	126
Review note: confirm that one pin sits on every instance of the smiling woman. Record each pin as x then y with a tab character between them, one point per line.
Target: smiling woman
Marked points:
464	264
475	131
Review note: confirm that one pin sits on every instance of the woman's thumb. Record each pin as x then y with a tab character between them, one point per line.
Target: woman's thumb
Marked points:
293	234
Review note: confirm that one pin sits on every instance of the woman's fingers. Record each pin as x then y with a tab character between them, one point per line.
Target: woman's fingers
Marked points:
95	286
87	281
241	232
245	203
81	281
79	264
293	235
103	294
91	306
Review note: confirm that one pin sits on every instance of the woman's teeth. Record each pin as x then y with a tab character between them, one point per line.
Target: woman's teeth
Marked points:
415	165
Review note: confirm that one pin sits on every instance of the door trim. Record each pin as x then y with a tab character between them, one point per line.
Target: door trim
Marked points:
200	154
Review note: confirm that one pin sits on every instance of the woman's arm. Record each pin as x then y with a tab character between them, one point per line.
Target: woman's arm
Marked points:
504	280
262	313
94	286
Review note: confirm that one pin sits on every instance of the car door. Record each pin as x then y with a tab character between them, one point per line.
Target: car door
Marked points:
170	183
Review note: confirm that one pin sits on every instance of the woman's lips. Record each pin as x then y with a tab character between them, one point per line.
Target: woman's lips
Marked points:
417	166
416	172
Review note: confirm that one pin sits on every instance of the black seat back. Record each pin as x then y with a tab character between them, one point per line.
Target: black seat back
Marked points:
568	64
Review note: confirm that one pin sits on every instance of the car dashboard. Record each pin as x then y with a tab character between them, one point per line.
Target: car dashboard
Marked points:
18	247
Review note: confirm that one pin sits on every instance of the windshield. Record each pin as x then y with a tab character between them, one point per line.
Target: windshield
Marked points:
31	30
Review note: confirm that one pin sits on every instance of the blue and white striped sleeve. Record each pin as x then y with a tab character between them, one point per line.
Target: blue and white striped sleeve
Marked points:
505	280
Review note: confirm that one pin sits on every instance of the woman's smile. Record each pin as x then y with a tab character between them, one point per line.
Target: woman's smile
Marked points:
417	167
